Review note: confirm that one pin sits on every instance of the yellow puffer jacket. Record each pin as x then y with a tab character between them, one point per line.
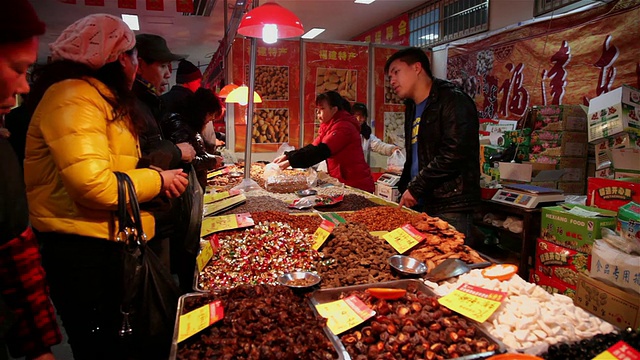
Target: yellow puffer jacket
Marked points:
73	147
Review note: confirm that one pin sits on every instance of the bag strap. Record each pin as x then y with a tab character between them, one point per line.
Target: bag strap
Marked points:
130	228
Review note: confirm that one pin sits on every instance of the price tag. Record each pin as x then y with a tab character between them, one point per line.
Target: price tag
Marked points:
345	313
322	234
403	238
619	351
218	206
213	174
473	302
199	319
213	197
226	222
206	253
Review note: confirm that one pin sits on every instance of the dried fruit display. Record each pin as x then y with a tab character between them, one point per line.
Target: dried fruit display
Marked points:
287	183
353	256
394	128
307	223
390	96
442	242
258	256
270	126
272	82
380	218
414	326
353	202
260	322
344	81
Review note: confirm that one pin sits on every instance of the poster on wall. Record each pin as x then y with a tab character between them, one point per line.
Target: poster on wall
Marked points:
566	60
277	119
339	67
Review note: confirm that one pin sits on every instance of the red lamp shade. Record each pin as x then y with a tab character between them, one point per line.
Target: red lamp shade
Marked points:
226	90
287	23
241	96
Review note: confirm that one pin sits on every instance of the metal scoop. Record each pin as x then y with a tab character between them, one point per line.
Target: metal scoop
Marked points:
451	268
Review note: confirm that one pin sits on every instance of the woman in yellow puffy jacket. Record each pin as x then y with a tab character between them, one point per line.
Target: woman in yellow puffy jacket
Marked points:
84	128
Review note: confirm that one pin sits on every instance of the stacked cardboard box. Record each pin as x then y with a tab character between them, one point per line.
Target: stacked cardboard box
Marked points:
560	138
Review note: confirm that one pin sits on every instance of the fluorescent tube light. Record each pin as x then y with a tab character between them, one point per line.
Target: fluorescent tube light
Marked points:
313	33
429	36
364	1
131	21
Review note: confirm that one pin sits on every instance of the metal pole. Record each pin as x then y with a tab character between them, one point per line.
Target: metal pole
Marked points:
252	83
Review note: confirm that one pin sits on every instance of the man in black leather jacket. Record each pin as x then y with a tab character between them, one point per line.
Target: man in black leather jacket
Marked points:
442	173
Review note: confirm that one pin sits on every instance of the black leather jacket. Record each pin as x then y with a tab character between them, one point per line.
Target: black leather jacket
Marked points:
177	130
448	151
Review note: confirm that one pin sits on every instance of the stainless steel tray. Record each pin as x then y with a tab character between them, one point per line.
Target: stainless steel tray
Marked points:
327	295
337	344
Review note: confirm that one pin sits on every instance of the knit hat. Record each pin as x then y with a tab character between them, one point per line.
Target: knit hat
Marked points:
18	22
187	72
94	40
154	48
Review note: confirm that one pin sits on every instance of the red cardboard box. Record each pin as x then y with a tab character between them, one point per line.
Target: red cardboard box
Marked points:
612	194
552	285
561	264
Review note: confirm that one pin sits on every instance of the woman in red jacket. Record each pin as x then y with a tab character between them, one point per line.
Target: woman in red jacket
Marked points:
338	142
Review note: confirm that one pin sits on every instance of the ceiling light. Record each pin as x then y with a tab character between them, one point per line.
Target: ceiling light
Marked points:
226	90
131	21
313	33
364	1
429	36
241	96
270	21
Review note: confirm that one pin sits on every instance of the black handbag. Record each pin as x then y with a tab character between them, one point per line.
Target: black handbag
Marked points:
150	295
191	213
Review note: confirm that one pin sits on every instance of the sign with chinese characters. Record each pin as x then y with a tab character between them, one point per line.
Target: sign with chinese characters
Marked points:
339	67
473	302
394	32
345	313
403	238
619	351
277	119
199	319
566	60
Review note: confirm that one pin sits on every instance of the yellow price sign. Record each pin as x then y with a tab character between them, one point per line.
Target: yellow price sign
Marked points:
199	319
403	238
473	302
223	204
212	174
322	234
344	314
206	253
213	197
226	222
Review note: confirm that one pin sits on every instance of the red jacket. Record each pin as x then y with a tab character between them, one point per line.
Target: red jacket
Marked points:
346	163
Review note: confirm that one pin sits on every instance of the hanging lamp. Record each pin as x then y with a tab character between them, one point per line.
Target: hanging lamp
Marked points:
224	92
240	95
270	22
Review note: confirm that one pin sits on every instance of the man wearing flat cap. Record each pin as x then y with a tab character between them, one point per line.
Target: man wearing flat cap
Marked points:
27	319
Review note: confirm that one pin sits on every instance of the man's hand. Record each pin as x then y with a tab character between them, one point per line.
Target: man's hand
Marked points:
4	133
407	200
188	152
174	182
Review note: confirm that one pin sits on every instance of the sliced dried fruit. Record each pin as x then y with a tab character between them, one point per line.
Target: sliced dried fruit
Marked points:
386	293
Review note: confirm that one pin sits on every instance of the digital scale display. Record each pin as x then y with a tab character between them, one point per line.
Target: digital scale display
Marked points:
525	198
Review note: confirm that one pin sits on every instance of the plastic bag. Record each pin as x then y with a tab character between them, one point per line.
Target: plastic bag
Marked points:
270	170
614	239
312	177
284	148
395	162
228	157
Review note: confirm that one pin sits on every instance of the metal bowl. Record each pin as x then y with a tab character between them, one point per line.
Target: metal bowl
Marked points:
307	192
299	279
236	174
407	265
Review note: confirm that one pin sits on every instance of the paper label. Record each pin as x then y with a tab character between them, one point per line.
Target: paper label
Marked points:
582	212
333	217
404	238
344	314
213	174
226	222
619	351
206	253
322	234
213	197
199	319
223	204
473	302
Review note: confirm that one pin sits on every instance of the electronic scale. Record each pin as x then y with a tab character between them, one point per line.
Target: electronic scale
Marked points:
527	196
391	180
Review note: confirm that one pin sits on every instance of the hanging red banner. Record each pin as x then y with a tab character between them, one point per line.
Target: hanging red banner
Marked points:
340	67
127	4
94	2
393	32
567	60
185	6
155	5
277	77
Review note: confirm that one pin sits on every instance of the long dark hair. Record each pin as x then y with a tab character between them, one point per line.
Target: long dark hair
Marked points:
112	75
196	107
333	98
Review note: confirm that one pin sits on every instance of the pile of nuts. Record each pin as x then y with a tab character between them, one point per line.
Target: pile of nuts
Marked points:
394	128
272	82
271	126
307	223
390	96
382	218
353	256
260	322
415	326
258	256
341	80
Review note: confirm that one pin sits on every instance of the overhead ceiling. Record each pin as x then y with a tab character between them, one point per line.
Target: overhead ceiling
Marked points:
199	36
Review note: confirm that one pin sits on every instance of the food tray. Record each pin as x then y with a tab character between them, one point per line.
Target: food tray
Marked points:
327	295
342	352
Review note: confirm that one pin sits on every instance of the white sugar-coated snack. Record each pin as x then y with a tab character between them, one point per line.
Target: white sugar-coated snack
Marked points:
530	319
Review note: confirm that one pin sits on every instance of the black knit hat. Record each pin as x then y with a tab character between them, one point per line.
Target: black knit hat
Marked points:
154	48
187	72
19	21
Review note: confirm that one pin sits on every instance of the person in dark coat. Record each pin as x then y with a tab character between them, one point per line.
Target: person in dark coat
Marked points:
188	80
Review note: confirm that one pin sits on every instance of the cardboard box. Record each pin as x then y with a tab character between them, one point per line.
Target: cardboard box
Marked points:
575	226
615	267
560	118
552	285
553	143
572	188
386	192
616	306
605	173
612	194
517	137
614	112
561	263
627	160
628	223
575	169
625	140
